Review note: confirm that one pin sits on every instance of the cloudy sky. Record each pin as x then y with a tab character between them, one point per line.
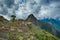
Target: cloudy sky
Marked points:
23	8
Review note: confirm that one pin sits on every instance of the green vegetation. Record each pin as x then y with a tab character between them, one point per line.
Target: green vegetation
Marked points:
13	18
23	30
45	26
41	34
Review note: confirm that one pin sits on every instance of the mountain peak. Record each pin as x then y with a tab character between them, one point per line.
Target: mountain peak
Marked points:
31	17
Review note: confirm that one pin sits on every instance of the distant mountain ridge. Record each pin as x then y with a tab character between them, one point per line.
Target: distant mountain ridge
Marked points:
46	26
54	22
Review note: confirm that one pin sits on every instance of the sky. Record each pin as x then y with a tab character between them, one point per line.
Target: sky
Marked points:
23	8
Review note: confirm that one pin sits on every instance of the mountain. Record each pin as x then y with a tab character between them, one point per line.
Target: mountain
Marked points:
29	29
32	18
45	26
2	19
54	22
23	30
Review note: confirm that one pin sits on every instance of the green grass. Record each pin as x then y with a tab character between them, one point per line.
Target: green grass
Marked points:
42	34
26	31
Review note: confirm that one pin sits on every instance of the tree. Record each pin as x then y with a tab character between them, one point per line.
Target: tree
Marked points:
13	17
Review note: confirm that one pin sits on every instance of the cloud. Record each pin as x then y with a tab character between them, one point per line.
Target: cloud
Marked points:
9	3
23	8
50	11
7	8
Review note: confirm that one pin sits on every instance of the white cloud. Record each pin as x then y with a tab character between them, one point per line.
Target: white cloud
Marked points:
40	8
49	11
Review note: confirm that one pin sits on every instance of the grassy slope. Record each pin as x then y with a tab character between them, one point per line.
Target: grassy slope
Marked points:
45	26
20	30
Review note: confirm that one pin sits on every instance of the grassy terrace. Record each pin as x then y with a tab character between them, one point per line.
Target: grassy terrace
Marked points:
21	30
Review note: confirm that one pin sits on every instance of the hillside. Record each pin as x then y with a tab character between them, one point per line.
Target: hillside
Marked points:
45	26
23	30
2	19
